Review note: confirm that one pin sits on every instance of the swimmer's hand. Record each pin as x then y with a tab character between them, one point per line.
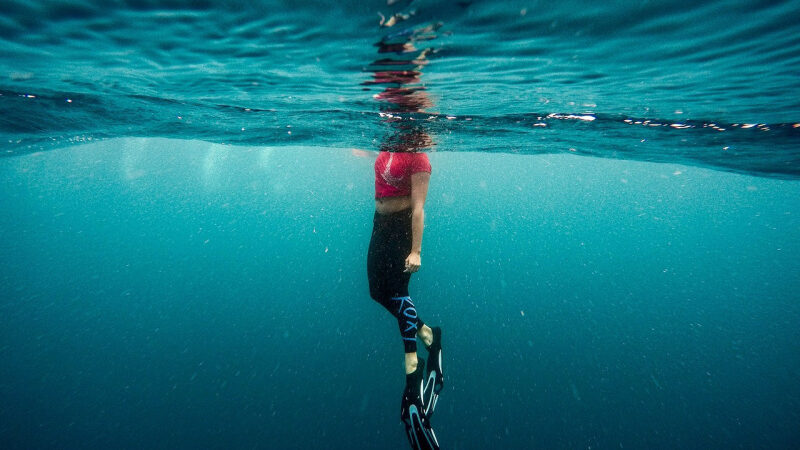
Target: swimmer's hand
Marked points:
413	262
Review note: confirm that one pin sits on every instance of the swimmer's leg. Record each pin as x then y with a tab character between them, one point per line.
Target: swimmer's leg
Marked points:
409	324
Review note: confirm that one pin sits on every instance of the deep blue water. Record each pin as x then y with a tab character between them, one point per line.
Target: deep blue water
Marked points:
612	229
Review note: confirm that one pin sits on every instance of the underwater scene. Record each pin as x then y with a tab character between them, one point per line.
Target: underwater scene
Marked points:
611	229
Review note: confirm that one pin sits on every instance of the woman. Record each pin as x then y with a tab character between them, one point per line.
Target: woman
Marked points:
401	185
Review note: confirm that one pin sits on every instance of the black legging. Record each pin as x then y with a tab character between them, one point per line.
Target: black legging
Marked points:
388	283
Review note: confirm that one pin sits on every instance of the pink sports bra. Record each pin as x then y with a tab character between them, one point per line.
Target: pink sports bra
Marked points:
393	172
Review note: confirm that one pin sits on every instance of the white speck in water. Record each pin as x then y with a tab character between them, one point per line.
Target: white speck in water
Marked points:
575	392
655	381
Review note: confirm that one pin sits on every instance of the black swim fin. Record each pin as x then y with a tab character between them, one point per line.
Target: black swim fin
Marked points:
412	413
434	382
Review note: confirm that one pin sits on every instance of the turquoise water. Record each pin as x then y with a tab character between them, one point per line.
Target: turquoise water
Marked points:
611	241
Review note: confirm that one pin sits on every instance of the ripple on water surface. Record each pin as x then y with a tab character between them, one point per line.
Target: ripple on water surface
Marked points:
706	84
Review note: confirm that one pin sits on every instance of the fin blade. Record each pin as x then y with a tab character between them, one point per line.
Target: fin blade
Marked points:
420	433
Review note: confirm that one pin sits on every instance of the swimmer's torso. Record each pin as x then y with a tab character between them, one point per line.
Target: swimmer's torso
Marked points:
393	179
388	205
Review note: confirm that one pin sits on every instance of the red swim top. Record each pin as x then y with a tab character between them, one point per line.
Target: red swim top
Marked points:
393	172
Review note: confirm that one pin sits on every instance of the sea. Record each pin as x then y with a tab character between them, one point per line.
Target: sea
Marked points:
612	226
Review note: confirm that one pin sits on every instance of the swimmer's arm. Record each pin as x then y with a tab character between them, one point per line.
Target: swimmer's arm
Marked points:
419	191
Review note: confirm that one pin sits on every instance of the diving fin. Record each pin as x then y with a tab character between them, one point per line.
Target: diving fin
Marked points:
412	413
435	379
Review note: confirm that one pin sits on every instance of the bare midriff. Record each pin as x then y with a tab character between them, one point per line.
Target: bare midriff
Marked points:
388	205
